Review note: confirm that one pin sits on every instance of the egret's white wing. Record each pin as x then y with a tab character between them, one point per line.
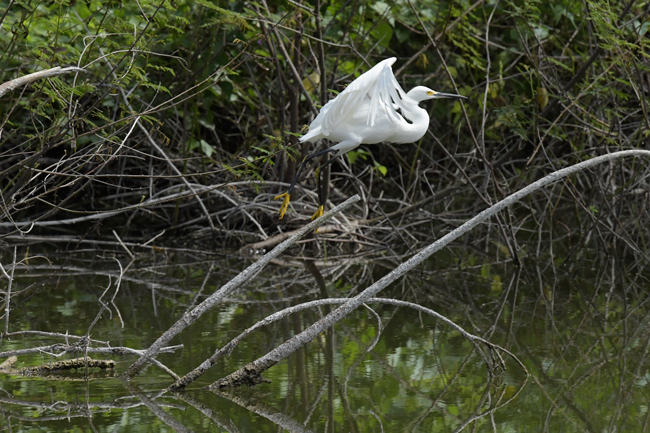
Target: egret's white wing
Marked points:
387	97
377	88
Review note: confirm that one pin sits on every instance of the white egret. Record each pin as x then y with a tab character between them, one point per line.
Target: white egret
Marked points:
372	109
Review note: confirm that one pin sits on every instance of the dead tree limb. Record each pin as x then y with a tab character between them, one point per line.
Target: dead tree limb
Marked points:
26	79
251	373
236	283
278	315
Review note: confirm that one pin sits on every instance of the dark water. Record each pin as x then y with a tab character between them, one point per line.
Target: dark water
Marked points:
581	330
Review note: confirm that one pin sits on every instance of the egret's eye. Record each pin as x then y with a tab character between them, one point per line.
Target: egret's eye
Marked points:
430	92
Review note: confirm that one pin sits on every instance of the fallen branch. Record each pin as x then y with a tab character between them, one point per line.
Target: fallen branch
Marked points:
252	249
69	364
236	283
59	349
278	315
251	373
107	214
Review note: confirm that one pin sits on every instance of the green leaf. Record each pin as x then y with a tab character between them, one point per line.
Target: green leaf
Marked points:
354	154
383	33
206	148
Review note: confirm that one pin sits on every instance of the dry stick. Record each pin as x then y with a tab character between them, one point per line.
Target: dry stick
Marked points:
119	240
59	349
102	215
251	373
65	336
26	79
10	279
232	285
251	249
67	239
173	167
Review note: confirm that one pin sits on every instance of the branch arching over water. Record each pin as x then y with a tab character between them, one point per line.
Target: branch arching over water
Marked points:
278	315
251	373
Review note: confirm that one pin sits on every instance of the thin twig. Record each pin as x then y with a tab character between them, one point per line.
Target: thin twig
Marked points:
10	281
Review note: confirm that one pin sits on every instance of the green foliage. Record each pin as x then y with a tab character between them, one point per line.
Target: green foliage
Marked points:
365	155
221	83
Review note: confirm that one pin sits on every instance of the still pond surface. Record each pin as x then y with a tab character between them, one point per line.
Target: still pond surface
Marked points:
581	330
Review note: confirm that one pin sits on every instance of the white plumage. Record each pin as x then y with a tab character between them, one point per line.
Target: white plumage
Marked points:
372	109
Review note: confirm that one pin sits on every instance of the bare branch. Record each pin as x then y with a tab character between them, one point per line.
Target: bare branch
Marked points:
26	79
236	283
251	373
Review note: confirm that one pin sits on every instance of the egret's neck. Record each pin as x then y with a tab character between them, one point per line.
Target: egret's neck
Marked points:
418	127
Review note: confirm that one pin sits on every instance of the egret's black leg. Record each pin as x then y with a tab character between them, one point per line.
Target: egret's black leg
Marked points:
304	163
287	195
321	206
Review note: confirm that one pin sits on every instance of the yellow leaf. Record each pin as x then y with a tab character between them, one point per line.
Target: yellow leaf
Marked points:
423	61
542	97
509	391
311	81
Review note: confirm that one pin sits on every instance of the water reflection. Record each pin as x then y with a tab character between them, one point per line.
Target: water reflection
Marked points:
583	339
